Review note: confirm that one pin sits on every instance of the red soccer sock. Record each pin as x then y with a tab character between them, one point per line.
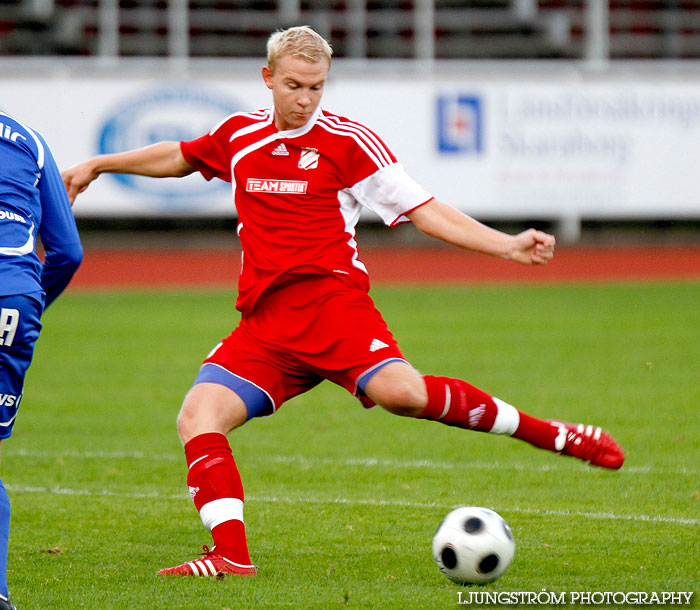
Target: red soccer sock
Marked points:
537	432
456	403
217	491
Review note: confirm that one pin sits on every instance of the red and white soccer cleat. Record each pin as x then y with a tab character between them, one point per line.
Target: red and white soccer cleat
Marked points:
210	564
591	444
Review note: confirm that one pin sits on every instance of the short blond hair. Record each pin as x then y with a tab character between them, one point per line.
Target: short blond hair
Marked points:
300	41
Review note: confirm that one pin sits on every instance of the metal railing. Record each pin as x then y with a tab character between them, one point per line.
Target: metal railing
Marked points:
595	30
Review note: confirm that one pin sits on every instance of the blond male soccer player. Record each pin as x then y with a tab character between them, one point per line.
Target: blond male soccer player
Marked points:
300	177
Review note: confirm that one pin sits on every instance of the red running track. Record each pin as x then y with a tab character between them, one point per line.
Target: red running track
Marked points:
207	268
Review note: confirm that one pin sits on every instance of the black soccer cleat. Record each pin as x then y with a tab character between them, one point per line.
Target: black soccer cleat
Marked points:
6	604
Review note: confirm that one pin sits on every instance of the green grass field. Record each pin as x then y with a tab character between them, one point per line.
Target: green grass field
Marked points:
341	502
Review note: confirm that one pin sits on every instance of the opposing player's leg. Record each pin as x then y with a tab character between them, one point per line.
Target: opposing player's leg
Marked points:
19	330
400	389
5	603
4	539
216	404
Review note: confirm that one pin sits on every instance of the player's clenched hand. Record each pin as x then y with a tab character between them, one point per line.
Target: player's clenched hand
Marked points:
533	247
78	178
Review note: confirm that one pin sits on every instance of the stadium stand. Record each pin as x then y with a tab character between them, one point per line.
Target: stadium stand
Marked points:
461	29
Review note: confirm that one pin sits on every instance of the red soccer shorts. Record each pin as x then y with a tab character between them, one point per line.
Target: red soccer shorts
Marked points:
301	332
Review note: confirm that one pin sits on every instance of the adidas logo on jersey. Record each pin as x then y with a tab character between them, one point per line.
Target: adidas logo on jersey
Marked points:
376	345
281	151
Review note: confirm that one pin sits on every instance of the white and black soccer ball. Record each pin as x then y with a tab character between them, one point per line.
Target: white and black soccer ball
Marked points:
473	545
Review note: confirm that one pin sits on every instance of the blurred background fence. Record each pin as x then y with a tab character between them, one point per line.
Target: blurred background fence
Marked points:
556	111
420	29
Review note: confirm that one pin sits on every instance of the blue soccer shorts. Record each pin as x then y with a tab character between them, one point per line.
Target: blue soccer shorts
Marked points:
20	325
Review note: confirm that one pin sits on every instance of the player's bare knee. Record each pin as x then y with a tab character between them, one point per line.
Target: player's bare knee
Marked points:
402	410
399	389
193	417
185	424
210	407
405	399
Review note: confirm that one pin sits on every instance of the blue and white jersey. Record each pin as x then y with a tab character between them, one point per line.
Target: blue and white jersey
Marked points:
33	204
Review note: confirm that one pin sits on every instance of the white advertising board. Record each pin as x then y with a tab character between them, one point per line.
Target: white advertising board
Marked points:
551	145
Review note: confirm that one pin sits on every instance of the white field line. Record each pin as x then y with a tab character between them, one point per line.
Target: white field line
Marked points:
606	516
558	466
566	464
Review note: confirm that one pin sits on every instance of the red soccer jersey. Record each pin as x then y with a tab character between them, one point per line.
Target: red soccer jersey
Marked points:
299	193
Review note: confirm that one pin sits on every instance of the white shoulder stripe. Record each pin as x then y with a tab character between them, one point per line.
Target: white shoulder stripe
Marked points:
37	141
39	147
365	133
242	153
370	150
250	129
258	115
356	126
248	149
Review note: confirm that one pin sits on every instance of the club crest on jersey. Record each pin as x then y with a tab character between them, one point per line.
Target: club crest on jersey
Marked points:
309	158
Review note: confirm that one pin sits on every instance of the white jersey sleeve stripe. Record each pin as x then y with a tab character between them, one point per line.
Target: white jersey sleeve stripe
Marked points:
219	124
259	114
369	140
376	143
369	134
248	149
263	122
377	160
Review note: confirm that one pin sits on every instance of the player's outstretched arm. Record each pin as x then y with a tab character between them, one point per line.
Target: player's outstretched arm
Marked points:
161	160
444	222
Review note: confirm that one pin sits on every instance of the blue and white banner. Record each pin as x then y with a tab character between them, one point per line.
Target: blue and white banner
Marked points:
458	123
519	145
170	111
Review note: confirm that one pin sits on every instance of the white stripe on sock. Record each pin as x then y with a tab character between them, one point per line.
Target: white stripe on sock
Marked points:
507	418
448	401
218	511
204	457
